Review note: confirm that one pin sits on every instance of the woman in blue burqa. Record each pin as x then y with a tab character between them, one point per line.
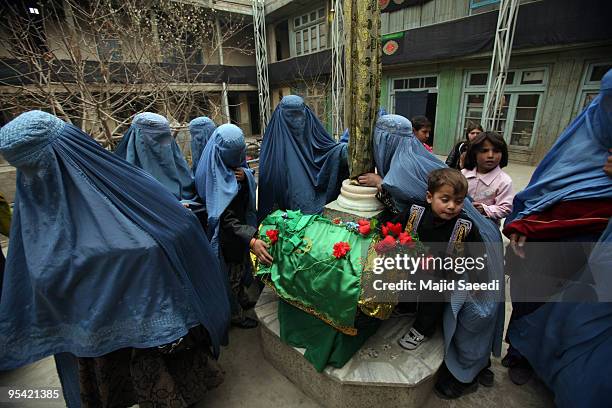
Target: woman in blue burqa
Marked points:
149	144
567	338
472	322
201	129
232	217
301	167
108	272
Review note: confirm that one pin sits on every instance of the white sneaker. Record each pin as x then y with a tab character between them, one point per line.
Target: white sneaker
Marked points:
411	340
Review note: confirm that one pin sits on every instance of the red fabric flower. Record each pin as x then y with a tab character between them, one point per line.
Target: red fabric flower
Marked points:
272	235
386	245
336	221
393	229
363	222
341	249
364	229
405	239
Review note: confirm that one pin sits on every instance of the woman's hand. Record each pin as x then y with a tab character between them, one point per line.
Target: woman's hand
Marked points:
370	180
260	249
239	173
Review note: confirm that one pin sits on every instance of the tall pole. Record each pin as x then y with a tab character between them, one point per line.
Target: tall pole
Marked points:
337	39
261	57
362	80
500	61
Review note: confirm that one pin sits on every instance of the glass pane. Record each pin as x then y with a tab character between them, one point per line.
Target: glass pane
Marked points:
533	77
525	114
588	98
431	82
296	22
510	78
521	133
398	84
598	72
306	41
321	13
313	16
478	79
413	83
313	38
305	19
530	101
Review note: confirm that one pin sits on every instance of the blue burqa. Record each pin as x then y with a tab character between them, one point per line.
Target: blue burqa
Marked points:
569	345
215	179
149	144
102	256
473	324
301	166
200	129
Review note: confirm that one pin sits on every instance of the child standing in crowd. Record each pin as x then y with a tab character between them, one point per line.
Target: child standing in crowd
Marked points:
422	128
454	159
489	186
440	220
436	221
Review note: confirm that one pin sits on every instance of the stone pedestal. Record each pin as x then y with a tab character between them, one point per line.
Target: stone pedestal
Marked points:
381	374
354	203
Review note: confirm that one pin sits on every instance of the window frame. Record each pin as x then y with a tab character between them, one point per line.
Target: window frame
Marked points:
482	4
391	88
295	31
515	89
586	86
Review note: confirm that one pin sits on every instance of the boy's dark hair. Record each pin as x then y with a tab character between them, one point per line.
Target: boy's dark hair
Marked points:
471	126
419	122
474	147
447	177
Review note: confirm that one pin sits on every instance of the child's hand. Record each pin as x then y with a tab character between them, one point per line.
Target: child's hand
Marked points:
260	249
480	208
370	180
517	243
239	173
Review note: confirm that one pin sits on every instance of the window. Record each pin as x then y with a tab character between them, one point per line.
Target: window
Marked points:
522	100
590	84
310	32
481	3
315	96
109	49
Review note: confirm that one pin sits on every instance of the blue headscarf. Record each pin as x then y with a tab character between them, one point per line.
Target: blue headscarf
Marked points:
200	129
102	256
572	169
149	144
215	179
473	324
301	166
569	344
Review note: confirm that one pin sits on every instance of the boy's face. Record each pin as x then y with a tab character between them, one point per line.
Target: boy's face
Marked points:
445	204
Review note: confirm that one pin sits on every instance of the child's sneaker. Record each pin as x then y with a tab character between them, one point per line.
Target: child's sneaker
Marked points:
412	339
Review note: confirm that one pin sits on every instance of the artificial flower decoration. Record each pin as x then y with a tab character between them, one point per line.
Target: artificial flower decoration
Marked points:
393	229
341	249
405	239
364	227
336	221
272	236
386	245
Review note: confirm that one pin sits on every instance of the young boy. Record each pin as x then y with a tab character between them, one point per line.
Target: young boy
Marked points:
438	221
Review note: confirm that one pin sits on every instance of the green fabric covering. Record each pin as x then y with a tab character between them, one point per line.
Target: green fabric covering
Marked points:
305	271
324	345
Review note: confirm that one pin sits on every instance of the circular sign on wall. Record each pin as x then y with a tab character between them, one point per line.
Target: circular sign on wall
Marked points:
390	47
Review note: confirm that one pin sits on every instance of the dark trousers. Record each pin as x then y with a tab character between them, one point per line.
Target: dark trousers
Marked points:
429	315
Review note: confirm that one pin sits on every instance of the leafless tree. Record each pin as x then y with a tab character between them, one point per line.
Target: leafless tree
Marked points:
96	63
